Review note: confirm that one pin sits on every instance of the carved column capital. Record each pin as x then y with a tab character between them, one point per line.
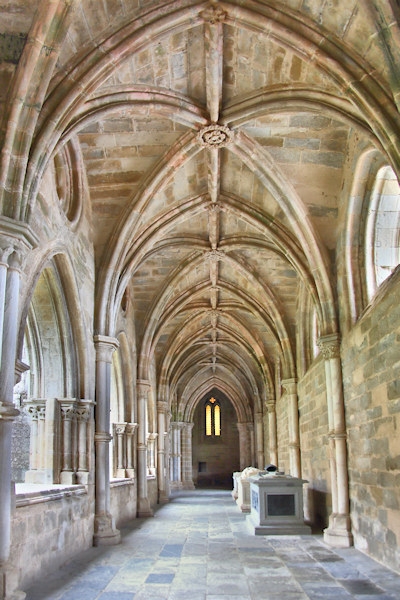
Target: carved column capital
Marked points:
105	347
290	385
213	14
131	428
162	406
36	409
143	388
329	346
68	406
120	428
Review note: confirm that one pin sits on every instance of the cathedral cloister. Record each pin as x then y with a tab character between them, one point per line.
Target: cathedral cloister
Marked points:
200	219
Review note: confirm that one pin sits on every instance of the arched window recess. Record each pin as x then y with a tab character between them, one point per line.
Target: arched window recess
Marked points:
213	417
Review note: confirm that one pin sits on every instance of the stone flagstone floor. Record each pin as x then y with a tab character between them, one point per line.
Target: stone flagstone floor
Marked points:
199	547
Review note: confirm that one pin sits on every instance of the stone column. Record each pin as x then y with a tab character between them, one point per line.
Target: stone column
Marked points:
290	387
144	508
84	423
37	411
187	469
258	424
10	279
130	444
176	454
67	475
162	408
120	449
151	453
105	532
244	446
167	440
272	433
338	533
9	296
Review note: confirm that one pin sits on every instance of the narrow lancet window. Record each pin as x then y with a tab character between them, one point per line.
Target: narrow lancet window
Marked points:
213	417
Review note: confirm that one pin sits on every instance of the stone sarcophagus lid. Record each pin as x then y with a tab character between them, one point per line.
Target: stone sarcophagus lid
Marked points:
243	487
277	505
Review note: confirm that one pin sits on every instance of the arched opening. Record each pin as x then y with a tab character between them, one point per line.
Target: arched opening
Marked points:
382	247
215	441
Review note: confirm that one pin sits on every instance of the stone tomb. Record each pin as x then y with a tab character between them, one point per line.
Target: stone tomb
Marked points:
277	505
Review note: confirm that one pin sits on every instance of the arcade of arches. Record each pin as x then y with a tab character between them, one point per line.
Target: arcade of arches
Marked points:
199	200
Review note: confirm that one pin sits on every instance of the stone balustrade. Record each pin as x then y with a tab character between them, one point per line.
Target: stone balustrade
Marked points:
124	443
60	438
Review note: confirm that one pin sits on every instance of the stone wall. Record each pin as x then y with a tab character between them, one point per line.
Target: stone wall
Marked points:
123	500
48	528
215	458
314	445
152	491
371	363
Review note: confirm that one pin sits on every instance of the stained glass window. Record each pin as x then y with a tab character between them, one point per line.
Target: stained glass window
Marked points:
213	418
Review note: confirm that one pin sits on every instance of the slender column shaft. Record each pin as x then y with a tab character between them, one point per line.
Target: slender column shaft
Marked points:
144	508
176	453
258	424
187	470
120	430
339	531
130	436
161	423
105	532
272	434
7	410
83	416
290	386
14	245
3	280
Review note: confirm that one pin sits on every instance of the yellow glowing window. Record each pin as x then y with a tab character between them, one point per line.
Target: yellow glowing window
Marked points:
213	417
208	420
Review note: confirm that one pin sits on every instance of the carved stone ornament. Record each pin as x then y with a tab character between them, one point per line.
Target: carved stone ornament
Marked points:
214	14
215	136
329	346
214	255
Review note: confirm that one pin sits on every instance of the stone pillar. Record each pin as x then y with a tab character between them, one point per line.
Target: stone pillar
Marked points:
258	424
167	441
84	415
162	408
187	469
130	445
119	449
272	433
9	296
105	532
176	455
338	533
68	421
244	446
151	453
144	508
37	411
290	387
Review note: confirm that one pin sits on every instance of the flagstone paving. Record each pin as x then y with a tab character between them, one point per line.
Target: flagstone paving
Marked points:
200	547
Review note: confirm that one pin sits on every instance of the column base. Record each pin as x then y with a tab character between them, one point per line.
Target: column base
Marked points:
67	477
105	533
176	485
188	485
8	584
338	534
163	497
144	509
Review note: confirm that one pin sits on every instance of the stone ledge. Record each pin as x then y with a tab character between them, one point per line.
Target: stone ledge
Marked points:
27	494
117	482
